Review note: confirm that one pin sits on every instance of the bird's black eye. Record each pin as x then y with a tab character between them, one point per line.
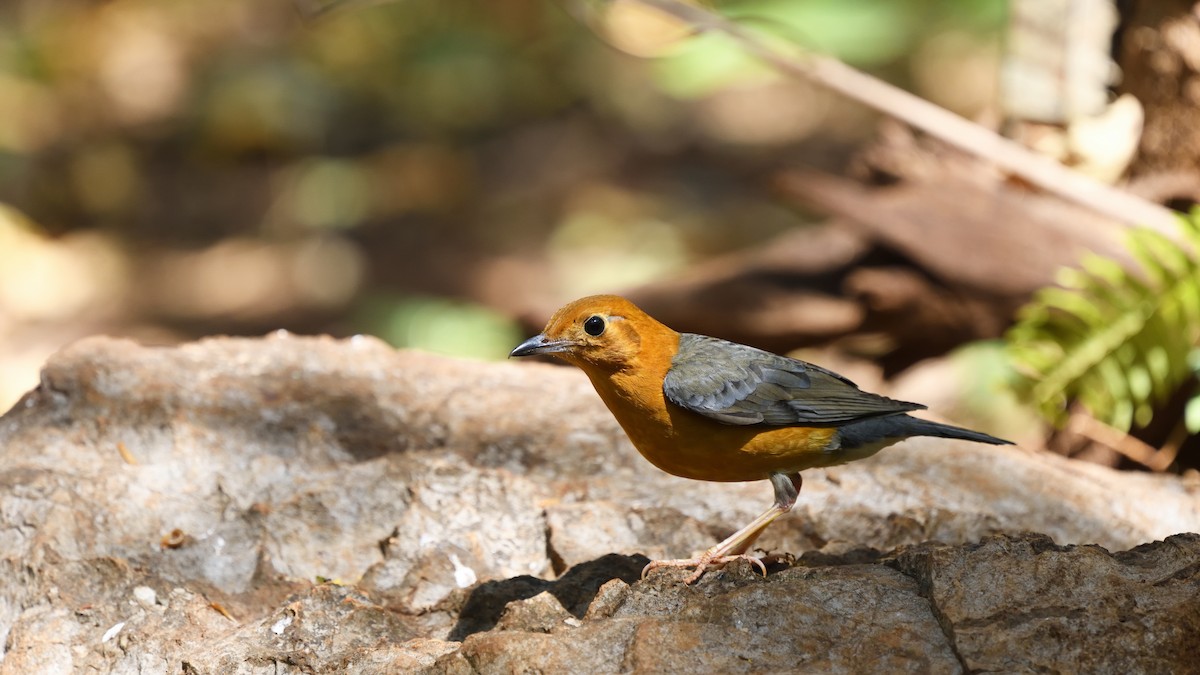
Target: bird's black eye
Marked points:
594	325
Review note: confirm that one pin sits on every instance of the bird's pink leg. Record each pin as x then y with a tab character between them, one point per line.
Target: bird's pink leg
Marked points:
787	489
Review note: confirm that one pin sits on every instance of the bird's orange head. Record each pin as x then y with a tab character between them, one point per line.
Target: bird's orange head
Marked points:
599	333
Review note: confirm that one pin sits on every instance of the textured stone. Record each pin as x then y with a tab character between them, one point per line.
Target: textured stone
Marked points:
1024	604
585	531
311	505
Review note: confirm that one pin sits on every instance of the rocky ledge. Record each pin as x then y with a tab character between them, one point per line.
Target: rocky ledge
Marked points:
310	505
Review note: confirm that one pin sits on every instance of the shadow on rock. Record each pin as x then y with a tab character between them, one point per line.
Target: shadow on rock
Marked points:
573	590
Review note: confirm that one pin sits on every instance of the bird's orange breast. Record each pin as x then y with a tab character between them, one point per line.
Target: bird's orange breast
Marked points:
690	445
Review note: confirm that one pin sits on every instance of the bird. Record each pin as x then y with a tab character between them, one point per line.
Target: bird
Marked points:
709	409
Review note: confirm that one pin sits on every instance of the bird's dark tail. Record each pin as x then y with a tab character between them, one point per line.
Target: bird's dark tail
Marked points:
895	427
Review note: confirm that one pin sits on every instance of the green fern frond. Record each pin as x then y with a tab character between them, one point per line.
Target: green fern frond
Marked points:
1116	340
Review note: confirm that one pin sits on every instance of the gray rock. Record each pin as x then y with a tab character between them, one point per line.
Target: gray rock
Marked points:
311	505
1025	604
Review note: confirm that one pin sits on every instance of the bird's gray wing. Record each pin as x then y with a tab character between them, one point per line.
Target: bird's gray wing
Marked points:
737	384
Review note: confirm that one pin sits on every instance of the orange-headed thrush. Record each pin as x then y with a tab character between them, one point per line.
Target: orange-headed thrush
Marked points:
710	409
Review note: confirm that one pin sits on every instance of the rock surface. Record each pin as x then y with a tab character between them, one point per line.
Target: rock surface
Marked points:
310	505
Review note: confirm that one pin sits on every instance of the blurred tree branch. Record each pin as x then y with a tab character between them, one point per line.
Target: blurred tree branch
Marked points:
974	139
938	122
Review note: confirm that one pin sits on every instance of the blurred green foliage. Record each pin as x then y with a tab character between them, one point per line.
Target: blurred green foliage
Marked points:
442	326
1119	342
866	33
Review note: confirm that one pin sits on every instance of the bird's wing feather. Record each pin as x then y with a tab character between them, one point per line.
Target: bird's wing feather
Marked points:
737	384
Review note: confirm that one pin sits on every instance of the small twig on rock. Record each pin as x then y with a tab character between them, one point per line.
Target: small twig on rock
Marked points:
1143	453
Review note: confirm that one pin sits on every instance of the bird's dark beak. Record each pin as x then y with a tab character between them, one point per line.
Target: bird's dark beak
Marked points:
540	344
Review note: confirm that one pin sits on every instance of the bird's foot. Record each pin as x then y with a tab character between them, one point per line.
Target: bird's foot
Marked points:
703	563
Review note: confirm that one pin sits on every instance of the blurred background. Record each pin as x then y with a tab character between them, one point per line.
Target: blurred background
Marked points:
444	174
422	171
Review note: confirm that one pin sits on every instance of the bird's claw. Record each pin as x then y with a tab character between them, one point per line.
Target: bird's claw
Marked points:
703	563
